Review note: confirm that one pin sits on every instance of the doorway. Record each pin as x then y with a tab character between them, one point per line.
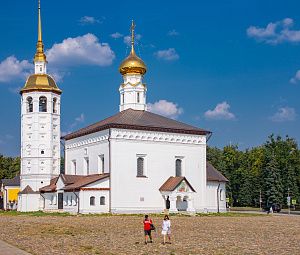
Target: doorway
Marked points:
60	201
181	203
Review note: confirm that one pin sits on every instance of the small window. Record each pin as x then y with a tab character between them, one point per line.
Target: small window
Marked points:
29	104
101	164
74	166
140	166
102	200
42	152
122	98
54	105
43	104
87	165
221	195
178	166
138	97
92	201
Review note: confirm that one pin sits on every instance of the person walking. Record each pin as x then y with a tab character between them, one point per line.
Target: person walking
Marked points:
166	229
148	225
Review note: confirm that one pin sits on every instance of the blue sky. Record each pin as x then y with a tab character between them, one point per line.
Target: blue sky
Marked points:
227	66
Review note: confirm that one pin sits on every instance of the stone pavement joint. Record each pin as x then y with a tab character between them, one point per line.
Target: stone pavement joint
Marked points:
7	249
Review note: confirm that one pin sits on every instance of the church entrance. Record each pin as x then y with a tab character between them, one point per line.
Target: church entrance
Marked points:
181	203
178	195
60	201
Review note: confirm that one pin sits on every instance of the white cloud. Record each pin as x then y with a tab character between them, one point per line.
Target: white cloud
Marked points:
284	114
86	20
169	54
77	121
221	112
11	69
116	35
275	32
165	108
127	38
296	78
81	50
172	32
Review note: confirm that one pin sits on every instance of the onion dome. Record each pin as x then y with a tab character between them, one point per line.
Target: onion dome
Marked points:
132	64
40	82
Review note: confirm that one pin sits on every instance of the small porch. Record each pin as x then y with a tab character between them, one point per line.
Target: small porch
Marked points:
178	195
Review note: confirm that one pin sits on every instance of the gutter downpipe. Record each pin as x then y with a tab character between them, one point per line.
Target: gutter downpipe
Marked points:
218	202
109	161
77	200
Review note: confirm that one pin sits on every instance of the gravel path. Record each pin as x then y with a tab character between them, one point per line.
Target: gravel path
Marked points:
124	235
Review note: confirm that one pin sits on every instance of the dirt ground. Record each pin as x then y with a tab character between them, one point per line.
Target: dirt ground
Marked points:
124	235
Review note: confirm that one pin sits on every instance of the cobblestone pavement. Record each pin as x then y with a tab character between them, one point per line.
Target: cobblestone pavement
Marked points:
120	235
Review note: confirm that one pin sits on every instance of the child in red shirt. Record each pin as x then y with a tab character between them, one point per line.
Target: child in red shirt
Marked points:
147	228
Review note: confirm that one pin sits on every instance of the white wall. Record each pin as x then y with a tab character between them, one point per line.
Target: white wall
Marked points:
29	202
84	196
89	146
133	194
212	196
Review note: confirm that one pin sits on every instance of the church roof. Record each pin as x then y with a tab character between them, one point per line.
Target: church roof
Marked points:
173	182
213	174
28	190
11	182
139	120
73	182
86	180
51	187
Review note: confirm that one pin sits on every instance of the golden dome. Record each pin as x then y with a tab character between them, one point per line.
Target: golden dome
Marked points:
132	64
40	82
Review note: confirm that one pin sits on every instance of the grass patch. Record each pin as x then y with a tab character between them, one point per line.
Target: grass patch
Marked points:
37	214
254	209
229	214
65	214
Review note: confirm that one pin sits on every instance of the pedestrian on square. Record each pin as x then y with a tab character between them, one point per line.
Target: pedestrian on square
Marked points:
166	229
148	225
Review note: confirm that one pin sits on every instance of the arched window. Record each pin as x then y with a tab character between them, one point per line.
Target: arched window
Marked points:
29	104
221	195
138	97
92	200
178	166
54	105
102	200
140	166
43	104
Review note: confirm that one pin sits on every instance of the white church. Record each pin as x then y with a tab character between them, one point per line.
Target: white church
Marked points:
132	162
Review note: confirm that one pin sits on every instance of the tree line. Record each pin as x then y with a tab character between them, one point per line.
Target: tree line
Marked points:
266	174
9	167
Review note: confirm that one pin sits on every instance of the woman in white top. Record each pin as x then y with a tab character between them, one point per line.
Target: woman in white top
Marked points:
166	229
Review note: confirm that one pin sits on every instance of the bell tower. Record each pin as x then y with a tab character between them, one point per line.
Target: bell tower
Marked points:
40	130
133	90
